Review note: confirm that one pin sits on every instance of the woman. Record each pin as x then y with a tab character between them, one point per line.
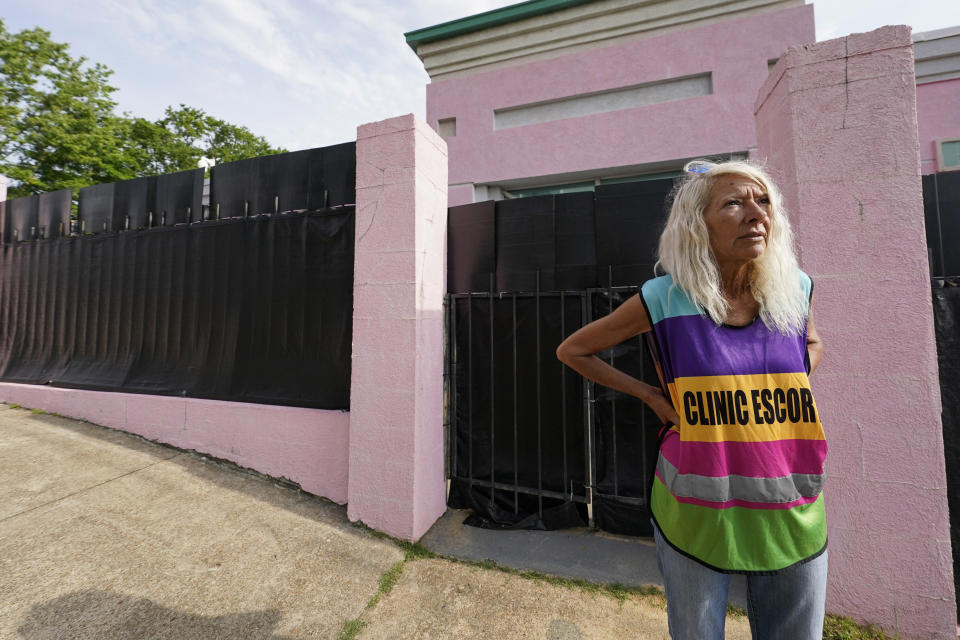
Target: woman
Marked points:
739	475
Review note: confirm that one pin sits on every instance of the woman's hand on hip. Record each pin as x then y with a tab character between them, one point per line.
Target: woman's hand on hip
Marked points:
661	406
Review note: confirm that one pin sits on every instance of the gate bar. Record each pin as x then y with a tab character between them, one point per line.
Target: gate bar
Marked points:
563	392
454	420
493	450
539	440
643	422
470	389
588	427
516	474
613	396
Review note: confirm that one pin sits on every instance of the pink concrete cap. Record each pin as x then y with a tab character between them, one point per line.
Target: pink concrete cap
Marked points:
397	124
890	37
383	127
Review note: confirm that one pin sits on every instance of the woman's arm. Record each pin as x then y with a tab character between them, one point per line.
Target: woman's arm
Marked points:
814	344
578	352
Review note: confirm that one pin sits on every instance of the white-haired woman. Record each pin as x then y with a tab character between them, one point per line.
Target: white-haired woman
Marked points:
740	471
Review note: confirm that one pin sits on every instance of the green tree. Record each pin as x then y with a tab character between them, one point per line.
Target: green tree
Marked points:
59	128
57	125
178	140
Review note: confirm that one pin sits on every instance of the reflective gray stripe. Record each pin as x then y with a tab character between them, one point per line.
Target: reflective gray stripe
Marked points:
722	489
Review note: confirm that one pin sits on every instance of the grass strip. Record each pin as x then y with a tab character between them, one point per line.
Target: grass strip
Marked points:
351	629
843	628
387	581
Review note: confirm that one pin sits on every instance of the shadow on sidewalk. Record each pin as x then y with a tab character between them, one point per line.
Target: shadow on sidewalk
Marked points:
108	616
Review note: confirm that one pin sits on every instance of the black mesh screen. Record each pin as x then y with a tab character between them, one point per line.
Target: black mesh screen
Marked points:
941	210
96	209
252	310
946	316
23	217
309	179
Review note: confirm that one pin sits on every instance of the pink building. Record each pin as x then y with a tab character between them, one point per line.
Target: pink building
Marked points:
553	96
564	94
937	56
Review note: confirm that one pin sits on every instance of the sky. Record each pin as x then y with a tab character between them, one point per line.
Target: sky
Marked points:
305	73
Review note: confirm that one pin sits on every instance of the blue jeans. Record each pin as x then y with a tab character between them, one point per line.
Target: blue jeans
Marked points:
789	604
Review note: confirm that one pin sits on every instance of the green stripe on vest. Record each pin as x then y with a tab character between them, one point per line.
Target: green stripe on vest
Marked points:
783	536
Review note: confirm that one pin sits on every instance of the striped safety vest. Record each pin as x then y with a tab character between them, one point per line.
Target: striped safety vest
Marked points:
738	481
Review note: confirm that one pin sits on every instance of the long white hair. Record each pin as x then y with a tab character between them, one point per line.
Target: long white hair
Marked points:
685	252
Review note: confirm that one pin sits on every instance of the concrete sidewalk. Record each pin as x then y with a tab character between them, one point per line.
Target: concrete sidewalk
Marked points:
104	535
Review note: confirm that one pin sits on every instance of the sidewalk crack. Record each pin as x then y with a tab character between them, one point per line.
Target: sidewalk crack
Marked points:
79	491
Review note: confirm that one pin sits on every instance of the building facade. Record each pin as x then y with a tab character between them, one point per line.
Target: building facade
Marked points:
937	67
553	96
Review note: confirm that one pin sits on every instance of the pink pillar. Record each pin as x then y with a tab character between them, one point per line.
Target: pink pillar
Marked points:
396	477
837	124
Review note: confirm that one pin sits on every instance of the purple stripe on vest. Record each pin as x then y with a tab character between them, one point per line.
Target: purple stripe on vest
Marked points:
749	459
695	346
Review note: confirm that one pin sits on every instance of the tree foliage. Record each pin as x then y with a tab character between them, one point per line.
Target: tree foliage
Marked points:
178	140
59	128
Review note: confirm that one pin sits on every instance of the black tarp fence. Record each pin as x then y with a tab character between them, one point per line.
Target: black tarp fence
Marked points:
252	310
152	201
35	217
531	443
307	180
941	212
941	208
310	179
946	316
152	292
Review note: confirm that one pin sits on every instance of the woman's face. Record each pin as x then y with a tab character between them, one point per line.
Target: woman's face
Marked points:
738	219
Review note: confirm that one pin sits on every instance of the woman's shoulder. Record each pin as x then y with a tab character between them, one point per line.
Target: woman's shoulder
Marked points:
665	299
658	285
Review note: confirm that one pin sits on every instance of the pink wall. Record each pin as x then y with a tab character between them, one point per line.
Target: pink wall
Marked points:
396	393
837	124
938	113
736	51
307	446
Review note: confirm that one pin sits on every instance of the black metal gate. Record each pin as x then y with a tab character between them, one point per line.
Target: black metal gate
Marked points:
532	444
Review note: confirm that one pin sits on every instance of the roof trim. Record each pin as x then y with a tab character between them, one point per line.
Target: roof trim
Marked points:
936	34
488	19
